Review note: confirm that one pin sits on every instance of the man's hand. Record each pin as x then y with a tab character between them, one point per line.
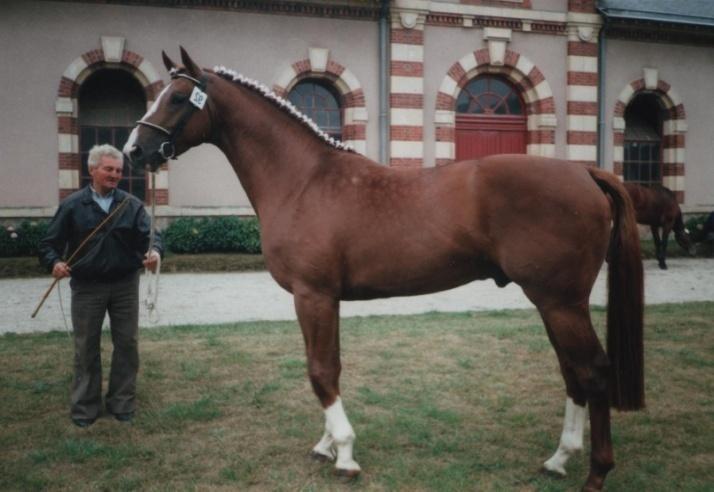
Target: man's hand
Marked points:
61	270
152	260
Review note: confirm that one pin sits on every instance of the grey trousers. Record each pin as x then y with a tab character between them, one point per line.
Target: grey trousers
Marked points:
90	302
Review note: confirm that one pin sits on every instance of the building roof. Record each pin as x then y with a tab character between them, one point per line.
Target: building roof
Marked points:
684	12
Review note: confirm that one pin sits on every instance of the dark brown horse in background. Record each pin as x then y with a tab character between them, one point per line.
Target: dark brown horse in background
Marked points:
657	207
335	225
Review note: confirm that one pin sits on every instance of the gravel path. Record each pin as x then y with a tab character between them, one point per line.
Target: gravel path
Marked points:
229	297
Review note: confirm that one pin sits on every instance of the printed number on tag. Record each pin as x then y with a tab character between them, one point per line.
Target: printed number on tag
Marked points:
198	98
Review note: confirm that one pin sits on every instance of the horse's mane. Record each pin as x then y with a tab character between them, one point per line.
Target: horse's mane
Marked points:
281	103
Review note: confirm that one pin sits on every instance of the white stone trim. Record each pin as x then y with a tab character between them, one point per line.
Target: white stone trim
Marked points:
406	117
445	117
674	127
524	65
150	73
360	146
407	52
586	64
75	68
286	78
66	105
68	143
543	150
674	183
113	48
618	153
68	179
585	93
618	123
355	115
651	77
674	155
349	78
485	11
582	152
407	85
468	62
626	94
406	149
449	86
318	59
582	123
444	150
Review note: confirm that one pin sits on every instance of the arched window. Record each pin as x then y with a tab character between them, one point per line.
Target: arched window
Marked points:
490	119
110	102
489	95
643	140
321	103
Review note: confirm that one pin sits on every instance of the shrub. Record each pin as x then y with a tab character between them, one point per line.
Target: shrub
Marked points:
213	235
22	240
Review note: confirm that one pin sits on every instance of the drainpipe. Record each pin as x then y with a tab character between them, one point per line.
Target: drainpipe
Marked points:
601	92
384	82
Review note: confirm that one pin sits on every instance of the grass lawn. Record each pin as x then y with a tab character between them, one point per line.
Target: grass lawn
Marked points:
470	401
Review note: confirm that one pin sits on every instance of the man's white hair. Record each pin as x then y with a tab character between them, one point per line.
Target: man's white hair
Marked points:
99	151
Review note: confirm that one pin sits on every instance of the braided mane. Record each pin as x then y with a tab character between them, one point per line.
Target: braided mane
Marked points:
281	103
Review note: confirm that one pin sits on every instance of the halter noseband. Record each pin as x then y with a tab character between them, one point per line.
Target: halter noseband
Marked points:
198	99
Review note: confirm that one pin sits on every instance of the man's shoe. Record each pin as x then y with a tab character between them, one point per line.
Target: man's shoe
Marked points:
124	417
83	423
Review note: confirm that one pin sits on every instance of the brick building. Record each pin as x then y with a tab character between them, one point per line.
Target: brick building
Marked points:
623	84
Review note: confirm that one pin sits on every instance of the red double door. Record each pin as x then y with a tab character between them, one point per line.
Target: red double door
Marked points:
481	135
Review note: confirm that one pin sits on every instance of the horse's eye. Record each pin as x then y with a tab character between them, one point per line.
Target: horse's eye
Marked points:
178	98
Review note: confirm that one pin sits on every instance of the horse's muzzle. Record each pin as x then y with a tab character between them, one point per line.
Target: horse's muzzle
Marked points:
139	160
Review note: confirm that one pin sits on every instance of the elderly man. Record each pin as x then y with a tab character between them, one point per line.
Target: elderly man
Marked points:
104	279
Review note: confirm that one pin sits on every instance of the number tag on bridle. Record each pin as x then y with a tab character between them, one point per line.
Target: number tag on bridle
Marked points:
198	98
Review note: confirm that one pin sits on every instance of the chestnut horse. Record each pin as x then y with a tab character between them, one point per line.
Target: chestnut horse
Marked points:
335	225
657	207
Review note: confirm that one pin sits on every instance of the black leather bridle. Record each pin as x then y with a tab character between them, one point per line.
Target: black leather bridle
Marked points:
167	149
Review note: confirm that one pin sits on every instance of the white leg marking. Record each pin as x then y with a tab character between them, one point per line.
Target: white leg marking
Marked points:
325	447
338	432
571	440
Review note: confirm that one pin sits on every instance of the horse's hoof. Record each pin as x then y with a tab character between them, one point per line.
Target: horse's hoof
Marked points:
346	475
319	457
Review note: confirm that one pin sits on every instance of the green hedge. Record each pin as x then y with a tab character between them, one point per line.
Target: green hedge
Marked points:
22	240
183	235
213	235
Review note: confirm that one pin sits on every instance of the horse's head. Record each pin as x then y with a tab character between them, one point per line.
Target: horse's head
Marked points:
177	120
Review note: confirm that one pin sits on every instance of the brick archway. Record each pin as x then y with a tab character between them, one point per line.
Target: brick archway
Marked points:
110	55
354	126
674	129
527	78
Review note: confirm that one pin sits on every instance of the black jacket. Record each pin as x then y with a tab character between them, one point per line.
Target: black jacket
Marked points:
114	253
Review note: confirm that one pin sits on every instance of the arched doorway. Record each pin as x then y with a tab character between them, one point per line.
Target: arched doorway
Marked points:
643	140
321	103
490	119
110	103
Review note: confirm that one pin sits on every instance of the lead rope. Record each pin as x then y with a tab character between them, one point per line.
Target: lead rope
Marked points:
152	279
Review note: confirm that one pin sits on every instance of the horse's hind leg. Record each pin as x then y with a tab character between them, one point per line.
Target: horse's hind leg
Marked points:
319	320
585	369
660	245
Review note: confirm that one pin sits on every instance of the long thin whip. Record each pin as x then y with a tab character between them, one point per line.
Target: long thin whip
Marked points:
76	251
152	288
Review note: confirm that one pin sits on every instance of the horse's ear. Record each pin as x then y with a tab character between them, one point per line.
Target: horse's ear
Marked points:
191	67
168	62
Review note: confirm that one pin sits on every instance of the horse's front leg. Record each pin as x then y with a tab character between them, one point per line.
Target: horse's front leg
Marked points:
318	315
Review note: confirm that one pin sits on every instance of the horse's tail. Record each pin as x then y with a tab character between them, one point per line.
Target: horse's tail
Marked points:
625	299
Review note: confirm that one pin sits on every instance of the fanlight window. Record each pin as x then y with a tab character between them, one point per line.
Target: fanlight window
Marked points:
643	141
110	102
319	102
489	95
